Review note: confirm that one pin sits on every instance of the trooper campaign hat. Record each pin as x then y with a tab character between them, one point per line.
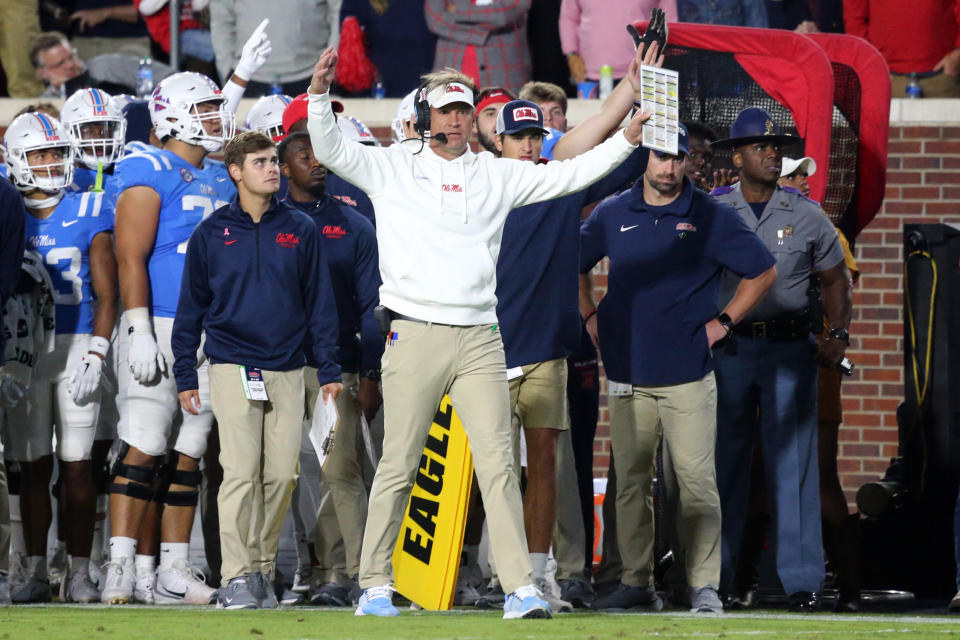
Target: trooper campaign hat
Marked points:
753	124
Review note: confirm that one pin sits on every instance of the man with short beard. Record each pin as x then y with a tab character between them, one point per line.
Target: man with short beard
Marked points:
489	103
668	244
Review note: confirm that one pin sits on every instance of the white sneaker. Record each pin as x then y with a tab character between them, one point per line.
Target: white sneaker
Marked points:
143	590
80	588
301	580
182	584
96	575
551	594
119	581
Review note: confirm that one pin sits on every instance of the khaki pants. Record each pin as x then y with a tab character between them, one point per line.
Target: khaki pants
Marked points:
259	453
99	45
19	25
688	413
344	477
938	86
569	540
425	362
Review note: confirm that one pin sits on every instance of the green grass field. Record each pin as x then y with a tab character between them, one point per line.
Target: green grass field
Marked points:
146	623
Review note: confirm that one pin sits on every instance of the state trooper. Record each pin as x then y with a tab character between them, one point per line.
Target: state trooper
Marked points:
767	376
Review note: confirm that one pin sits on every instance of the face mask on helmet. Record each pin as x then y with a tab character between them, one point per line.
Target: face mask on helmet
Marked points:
95	126
189	107
266	115
38	153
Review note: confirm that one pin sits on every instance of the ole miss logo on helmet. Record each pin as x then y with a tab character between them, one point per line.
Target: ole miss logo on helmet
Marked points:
525	113
288	240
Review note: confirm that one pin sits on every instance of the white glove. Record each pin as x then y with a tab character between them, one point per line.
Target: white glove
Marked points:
12	392
255	52
144	358
86	379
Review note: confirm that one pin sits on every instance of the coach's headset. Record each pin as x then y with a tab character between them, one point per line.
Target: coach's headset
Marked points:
421	112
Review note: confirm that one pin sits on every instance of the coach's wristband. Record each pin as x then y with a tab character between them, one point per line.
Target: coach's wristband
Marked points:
99	346
139	320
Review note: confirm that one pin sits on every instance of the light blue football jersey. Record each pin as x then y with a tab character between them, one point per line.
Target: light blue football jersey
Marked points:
63	239
187	196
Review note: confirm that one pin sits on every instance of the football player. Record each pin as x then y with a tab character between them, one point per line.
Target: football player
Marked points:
97	130
73	233
163	196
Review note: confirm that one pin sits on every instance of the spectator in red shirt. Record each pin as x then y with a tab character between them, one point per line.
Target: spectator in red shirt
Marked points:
485	39
930	29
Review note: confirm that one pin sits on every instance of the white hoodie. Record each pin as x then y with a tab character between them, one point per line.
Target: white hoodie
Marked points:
439	222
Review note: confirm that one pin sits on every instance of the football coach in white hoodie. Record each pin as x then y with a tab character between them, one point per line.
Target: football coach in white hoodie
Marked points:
440	215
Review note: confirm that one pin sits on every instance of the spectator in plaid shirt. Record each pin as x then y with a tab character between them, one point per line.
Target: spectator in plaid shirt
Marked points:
485	39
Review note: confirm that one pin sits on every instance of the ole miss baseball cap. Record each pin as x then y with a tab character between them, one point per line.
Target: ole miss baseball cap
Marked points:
450	93
520	115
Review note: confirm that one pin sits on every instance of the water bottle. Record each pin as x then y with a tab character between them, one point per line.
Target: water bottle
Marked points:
379	91
276	88
914	90
606	81
145	77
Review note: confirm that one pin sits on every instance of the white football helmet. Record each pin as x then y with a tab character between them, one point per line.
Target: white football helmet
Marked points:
353	129
173	111
96	127
121	100
266	115
32	132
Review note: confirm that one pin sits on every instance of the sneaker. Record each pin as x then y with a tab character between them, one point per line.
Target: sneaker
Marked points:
705	600
526	602
577	592
466	594
119	580
289	597
4	590
80	588
301	581
32	590
626	597
551	593
237	595
493	598
377	601
262	590
330	594
182	584
145	586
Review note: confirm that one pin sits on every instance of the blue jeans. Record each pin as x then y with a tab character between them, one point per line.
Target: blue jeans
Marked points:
770	387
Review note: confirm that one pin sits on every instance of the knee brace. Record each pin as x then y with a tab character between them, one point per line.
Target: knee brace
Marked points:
141	478
172	475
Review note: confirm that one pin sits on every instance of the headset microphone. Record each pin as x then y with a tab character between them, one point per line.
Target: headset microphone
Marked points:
441	138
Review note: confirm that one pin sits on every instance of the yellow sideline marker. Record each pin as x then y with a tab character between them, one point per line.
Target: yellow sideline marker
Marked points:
427	556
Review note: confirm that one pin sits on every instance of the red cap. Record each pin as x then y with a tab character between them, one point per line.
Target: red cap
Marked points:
494	95
297	110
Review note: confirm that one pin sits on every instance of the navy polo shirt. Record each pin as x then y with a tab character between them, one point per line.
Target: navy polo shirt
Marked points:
665	270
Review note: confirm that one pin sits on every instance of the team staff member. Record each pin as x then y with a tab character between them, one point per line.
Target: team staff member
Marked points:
349	243
540	325
440	222
668	245
255	254
767	377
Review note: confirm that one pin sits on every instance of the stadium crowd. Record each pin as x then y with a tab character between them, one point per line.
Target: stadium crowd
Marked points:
152	366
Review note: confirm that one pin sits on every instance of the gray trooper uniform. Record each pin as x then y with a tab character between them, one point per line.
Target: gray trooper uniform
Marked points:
767	378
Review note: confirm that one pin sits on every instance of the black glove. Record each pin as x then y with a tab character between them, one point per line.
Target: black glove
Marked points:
656	31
